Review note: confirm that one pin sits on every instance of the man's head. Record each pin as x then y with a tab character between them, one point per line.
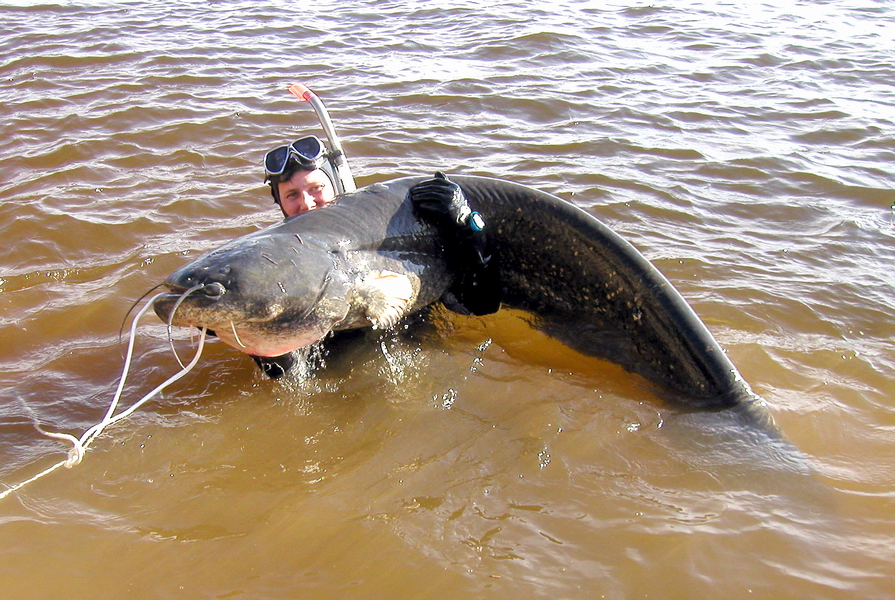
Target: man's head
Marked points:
297	183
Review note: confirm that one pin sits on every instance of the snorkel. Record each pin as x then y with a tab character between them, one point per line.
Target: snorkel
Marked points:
340	172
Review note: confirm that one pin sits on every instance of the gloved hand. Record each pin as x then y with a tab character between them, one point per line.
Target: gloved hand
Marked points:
440	200
476	288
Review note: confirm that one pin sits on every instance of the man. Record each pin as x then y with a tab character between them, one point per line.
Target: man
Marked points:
298	183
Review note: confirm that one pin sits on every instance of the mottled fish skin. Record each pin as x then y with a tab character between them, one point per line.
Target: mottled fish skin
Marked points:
581	282
595	292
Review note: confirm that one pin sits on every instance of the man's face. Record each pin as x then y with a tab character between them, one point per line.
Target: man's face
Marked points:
304	191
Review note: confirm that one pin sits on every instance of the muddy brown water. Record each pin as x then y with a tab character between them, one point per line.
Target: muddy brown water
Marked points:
747	150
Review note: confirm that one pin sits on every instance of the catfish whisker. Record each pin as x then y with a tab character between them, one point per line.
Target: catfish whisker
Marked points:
236	335
171	319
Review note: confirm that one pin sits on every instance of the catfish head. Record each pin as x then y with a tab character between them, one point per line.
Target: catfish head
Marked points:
276	290
264	294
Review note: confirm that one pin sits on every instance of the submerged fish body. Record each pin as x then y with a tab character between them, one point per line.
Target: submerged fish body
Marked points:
367	260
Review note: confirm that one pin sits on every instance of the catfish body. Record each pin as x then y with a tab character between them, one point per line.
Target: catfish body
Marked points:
367	260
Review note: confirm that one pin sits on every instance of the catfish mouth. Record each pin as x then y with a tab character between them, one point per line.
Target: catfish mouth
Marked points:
258	330
191	307
210	304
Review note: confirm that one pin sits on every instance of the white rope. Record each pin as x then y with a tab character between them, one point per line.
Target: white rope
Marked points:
79	445
171	321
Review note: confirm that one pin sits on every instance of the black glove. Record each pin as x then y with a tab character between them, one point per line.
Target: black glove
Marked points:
441	201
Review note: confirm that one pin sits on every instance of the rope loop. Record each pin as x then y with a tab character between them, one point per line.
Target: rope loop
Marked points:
79	445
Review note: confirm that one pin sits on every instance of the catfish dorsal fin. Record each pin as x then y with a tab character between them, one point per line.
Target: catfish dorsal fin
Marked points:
385	297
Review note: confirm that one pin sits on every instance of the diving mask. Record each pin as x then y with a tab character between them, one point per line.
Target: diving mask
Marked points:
308	152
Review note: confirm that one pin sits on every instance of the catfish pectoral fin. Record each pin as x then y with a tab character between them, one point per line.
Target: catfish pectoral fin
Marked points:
385	297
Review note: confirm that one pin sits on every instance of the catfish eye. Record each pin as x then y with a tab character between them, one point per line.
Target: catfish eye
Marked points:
214	289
